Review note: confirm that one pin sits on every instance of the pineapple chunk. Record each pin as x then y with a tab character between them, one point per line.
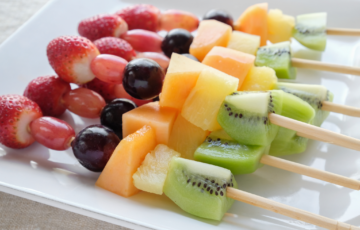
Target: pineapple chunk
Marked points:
151	175
280	26
186	137
203	103
259	79
243	42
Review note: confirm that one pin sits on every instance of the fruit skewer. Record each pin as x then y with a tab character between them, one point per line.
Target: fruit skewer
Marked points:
198	188
205	78
206	39
343	31
268	109
221	150
255	78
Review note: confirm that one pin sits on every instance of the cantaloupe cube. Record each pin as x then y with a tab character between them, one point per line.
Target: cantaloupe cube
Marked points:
185	137
125	160
232	62
243	42
280	26
210	33
202	105
159	118
259	79
254	21
181	77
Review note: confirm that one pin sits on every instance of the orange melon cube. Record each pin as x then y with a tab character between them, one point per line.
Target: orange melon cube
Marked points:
159	118
232	62
210	33
181	77
125	160
185	137
254	21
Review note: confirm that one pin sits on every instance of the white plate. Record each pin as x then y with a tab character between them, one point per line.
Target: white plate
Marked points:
56	178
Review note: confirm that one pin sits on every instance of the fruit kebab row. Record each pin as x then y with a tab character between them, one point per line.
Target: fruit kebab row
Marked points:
62	58
273	26
56	134
201	189
206	39
49	91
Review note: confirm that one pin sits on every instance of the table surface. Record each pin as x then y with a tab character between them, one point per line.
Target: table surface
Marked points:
15	212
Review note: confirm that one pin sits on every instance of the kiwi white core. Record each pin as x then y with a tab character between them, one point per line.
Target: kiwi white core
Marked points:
199	168
319	90
252	102
315	21
280	45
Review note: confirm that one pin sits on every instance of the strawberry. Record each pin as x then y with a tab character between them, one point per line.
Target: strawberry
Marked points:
70	57
106	90
141	16
115	46
105	25
16	113
47	92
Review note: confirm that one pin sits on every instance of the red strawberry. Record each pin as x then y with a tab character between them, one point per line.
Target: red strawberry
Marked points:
16	113
70	57
100	26
106	90
47	92
115	46
141	16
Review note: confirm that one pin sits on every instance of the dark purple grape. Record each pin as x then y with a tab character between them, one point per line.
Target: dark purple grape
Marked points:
93	146
156	98
143	78
191	57
219	15
177	41
111	115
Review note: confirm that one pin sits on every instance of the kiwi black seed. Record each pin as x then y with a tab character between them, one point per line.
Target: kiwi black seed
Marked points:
213	186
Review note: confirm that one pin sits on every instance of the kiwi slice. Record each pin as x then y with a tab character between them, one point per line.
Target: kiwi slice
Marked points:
286	141
310	30
244	116
312	94
240	159
199	188
277	57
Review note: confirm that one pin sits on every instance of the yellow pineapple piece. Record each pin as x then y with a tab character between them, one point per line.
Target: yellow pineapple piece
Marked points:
280	26
185	137
151	175
243	42
259	79
203	103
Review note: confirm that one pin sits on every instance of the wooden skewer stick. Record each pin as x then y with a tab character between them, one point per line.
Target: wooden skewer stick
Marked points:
309	136
314	131
309	171
317	65
343	109
343	31
287	210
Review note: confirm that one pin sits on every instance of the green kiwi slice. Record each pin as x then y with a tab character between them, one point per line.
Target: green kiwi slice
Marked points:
310	30
240	159
199	188
277	57
312	94
286	141
244	116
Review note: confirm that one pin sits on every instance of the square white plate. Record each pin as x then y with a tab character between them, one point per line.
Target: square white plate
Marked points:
56	178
